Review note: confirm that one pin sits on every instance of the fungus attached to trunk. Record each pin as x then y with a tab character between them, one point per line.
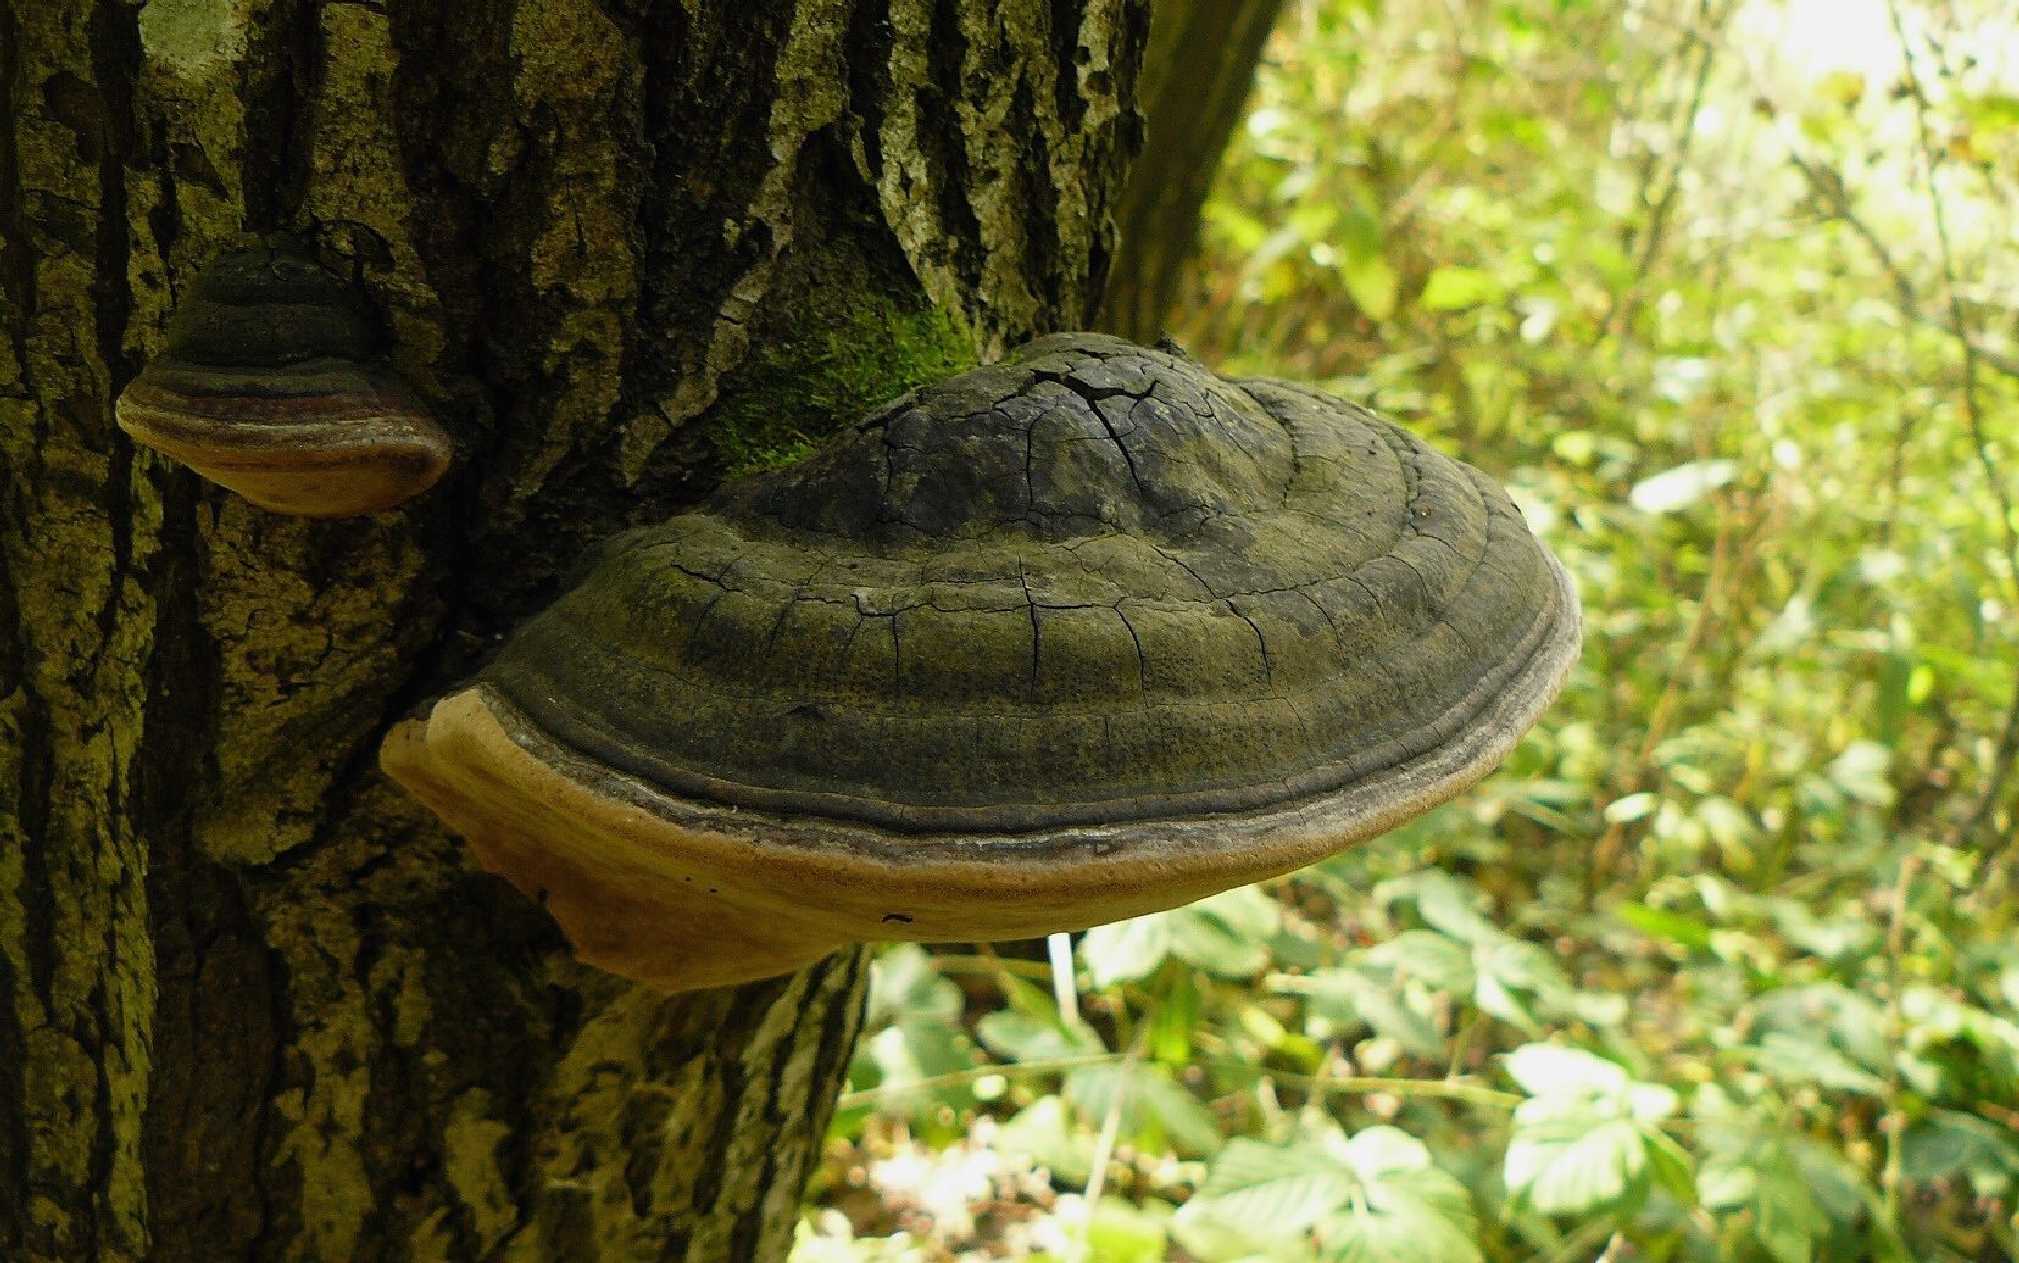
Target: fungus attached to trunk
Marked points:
269	388
1081	635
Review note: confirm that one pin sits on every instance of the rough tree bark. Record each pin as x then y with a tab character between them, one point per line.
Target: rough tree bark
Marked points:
253	1004
1196	76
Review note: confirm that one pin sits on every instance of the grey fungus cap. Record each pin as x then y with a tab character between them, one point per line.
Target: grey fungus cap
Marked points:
269	387
1084	634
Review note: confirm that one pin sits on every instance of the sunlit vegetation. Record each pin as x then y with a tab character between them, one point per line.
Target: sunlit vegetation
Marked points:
1725	963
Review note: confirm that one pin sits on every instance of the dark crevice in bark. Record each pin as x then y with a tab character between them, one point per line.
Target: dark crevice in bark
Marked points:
837	1036
573	1234
1039	199
17	296
17	257
281	84
32	796
216	1024
710	77
744	1011
475	226
489	1031
449	62
34	785
1067	15
749	1231
842	249
38	789
444	91
164	218
115	56
943	146
867	53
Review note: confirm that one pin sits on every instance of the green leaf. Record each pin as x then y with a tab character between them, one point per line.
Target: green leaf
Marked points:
1548	1069
1173	1019
1044	1131
1669	1163
1151	1105
1584	1137
1408	1210
1564	1161
1439	962
1451	288
1757	1167
1276	1191
1837	937
1372	284
1860	771
1948	1143
1444	904
1210	1238
1850	1023
1632	807
1228	934
1516	980
1786	1219
1991	112
1394	1227
1352	994
1124	951
1120	1233
1376	1197
1662	924
1027	1037
1805	1059
903	982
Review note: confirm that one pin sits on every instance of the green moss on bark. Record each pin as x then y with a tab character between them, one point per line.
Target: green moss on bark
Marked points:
795	392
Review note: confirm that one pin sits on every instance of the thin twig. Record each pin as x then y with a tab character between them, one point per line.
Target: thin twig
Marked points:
1624	306
1973	411
1895	1125
993	965
1104	1144
954	1078
1362	1085
1829	186
1606	853
1585	1237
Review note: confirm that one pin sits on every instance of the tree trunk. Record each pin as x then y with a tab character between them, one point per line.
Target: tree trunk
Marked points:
254	1004
1200	65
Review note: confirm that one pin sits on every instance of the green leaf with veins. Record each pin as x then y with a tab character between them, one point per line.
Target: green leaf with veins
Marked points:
1377	1197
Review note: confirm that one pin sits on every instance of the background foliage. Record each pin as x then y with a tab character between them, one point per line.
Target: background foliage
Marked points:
1722	965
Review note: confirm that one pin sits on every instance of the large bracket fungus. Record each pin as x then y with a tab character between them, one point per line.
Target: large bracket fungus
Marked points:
1077	636
269	388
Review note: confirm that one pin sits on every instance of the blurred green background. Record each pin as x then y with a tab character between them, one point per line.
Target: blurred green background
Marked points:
1722	964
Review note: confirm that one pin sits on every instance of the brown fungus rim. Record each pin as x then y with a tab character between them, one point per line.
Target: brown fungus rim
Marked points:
364	448
502	748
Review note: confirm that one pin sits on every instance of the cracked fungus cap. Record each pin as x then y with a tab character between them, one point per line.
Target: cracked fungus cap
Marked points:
1084	634
268	388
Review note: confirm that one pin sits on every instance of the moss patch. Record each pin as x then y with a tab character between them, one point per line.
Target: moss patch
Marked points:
800	389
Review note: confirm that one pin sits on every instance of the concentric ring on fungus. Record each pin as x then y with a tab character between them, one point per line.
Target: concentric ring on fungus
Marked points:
1080	635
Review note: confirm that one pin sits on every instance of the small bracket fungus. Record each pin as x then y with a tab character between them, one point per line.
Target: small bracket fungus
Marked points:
1081	635
268	387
